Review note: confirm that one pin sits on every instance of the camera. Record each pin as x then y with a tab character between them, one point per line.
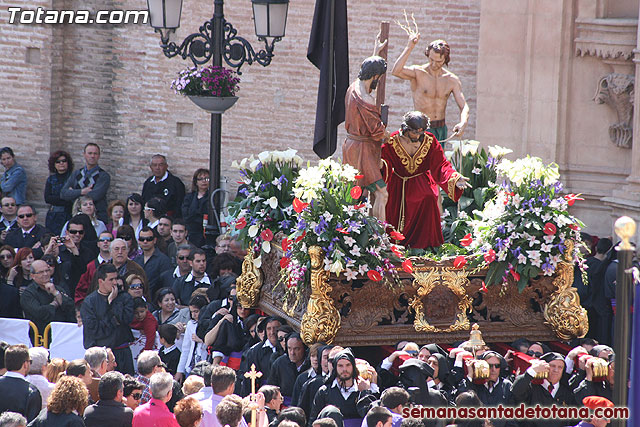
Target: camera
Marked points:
60	240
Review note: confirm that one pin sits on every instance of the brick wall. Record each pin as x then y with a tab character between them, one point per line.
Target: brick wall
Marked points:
110	85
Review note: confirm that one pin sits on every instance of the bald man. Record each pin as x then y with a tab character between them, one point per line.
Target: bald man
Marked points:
43	302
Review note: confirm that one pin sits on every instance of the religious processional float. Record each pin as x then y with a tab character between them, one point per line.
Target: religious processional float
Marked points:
316	257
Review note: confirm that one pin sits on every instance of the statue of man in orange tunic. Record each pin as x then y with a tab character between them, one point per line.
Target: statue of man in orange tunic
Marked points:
366	132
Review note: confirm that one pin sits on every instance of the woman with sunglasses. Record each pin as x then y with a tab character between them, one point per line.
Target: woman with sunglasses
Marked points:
133	214
20	272
115	211
132	391
60	167
7	254
126	233
195	206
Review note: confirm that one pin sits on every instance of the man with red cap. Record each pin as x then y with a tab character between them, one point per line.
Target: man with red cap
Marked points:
593	402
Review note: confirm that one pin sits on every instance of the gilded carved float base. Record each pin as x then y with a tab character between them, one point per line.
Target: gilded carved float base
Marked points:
437	303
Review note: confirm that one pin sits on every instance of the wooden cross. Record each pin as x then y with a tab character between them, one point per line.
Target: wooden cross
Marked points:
253	375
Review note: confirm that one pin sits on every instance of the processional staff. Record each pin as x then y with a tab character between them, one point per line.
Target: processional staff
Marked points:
253	375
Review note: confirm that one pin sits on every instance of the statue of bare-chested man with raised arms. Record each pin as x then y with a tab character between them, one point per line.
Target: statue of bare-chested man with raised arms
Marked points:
432	84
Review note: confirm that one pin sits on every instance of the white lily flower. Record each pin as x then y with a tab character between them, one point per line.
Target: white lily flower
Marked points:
253	230
258	261
266	247
273	202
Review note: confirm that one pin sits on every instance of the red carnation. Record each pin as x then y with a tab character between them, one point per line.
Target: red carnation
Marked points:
241	223
550	229
299	205
396	235
407	266
460	261
466	240
267	235
374	275
490	256
356	192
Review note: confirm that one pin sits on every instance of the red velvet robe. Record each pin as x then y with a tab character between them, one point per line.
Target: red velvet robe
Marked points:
414	180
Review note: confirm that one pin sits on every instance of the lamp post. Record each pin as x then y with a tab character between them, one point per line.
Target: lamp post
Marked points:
216	40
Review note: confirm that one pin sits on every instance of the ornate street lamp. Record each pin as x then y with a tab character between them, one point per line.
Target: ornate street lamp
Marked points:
217	39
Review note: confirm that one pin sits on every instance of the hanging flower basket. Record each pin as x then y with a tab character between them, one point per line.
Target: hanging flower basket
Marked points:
212	88
214	104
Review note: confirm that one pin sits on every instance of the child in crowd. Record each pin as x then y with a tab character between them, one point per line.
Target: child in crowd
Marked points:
145	322
169	353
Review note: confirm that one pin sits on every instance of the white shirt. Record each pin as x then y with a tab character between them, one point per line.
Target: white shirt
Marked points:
165	176
354	388
188	344
43	385
204	279
267	343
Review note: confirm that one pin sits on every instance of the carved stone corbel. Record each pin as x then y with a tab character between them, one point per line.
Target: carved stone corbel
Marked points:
616	90
248	284
563	312
321	321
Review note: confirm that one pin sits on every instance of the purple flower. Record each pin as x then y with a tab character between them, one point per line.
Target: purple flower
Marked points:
321	227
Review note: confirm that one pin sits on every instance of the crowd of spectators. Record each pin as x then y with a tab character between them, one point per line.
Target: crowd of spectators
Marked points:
117	267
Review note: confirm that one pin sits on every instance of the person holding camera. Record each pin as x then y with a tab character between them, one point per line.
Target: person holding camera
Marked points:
43	302
106	315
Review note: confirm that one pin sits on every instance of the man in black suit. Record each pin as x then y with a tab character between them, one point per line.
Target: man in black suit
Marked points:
552	391
29	233
109	410
18	395
165	185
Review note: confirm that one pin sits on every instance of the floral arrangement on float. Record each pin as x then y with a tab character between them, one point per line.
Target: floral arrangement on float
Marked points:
331	214
523	230
479	165
264	206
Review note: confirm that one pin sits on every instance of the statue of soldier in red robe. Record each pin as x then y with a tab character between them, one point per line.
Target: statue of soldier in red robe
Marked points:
414	166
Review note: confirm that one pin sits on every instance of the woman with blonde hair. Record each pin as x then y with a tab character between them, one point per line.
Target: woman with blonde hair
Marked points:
56	367
68	399
85	205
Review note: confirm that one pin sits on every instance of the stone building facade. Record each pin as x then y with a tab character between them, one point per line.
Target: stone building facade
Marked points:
66	85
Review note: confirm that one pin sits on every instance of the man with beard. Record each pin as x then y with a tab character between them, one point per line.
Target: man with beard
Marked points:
287	367
414	166
345	390
366	132
494	391
531	391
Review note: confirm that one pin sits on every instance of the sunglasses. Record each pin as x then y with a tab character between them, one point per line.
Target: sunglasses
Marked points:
8	205
61	161
494	365
76	231
126	237
136	396
146	239
182	258
106	239
281	339
136	286
29	215
203	179
534	353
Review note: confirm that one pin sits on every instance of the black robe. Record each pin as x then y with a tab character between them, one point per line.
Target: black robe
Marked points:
259	355
284	374
523	391
356	406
